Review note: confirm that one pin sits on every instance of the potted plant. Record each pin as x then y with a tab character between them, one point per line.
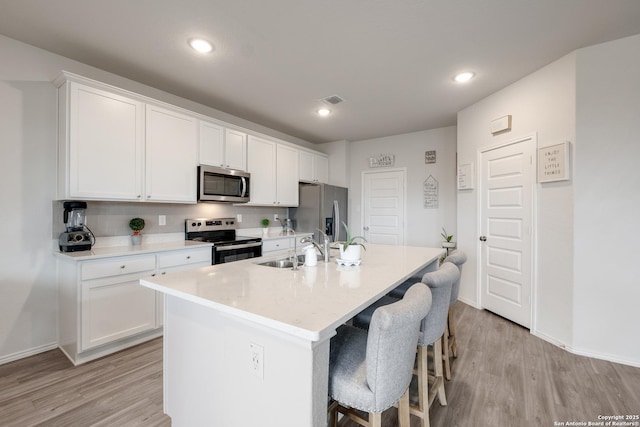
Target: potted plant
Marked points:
136	225
351	249
265	226
447	239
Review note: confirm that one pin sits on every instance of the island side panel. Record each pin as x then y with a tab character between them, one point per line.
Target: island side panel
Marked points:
209	380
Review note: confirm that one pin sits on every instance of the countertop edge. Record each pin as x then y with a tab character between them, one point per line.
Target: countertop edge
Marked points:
115	251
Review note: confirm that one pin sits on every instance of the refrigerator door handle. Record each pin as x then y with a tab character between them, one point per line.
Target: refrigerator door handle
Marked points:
336	221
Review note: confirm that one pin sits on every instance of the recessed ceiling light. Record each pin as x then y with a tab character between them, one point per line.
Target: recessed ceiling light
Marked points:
323	112
201	45
464	77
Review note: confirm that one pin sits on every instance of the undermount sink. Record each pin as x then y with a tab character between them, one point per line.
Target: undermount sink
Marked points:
284	262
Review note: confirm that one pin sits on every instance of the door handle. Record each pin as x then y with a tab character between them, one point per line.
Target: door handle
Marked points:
483	238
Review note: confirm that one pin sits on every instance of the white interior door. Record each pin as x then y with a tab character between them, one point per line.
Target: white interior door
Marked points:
507	183
384	206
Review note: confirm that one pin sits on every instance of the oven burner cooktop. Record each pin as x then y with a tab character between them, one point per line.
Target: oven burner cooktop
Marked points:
219	231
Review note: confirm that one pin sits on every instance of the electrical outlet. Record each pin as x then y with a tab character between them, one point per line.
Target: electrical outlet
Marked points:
256	360
275	217
238	217
162	220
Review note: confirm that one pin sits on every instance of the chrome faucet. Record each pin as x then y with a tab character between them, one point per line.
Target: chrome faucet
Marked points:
294	258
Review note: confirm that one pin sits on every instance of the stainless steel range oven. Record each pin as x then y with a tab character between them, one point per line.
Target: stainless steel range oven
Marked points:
222	233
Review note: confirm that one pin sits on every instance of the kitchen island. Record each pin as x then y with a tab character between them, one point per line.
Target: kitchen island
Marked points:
247	344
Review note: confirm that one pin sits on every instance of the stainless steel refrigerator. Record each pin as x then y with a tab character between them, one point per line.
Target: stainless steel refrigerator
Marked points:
321	206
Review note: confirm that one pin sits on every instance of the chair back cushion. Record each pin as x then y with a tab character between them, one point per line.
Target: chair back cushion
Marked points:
391	345
440	283
458	258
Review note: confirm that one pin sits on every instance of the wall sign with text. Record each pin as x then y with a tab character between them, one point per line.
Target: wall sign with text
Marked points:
554	162
465	176
383	160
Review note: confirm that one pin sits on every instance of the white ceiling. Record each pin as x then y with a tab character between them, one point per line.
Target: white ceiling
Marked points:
391	60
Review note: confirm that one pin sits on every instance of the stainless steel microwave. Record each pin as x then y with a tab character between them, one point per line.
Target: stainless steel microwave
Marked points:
223	185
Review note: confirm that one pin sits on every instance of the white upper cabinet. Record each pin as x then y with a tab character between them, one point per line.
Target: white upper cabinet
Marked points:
114	145
211	144
171	156
235	149
313	167
226	148
274	173
261	164
101	144
287	175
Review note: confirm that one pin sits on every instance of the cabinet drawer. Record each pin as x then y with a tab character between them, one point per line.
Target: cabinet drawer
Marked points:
184	257
117	266
273	245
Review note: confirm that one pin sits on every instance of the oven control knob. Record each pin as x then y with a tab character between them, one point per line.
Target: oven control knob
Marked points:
193	224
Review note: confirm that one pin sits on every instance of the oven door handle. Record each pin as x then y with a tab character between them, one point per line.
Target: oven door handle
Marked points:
232	247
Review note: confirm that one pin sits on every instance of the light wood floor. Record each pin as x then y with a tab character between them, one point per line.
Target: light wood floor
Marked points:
503	377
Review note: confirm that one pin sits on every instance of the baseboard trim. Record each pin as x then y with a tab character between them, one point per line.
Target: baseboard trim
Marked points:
586	353
26	353
469	302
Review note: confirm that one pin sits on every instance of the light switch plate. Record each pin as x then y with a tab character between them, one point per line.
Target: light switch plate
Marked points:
162	220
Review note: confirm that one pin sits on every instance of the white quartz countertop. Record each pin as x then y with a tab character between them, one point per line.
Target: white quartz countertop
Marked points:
274	233
309	303
113	251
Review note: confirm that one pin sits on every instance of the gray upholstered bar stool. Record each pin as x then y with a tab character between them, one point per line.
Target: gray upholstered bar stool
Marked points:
371	371
449	344
433	327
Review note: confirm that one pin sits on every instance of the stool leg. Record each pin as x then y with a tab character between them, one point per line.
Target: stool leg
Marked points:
333	414
375	419
423	387
437	357
403	410
445	354
452	332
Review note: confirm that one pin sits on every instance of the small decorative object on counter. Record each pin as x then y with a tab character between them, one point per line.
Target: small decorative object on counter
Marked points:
351	249
310	257
265	226
136	225
447	239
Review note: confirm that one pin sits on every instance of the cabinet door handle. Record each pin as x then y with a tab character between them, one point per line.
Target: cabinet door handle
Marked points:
122	266
139	196
153	275
163	273
189	257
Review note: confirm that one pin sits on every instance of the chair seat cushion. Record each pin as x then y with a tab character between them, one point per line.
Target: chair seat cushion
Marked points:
401	289
363	319
348	370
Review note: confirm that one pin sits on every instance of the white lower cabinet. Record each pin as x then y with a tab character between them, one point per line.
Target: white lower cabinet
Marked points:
113	309
283	243
102	306
169	262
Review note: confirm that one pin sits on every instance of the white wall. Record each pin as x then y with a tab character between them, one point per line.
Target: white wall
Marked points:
423	225
28	132
587	286
607	202
544	103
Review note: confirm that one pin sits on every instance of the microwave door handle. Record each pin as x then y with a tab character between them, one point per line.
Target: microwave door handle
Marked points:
244	186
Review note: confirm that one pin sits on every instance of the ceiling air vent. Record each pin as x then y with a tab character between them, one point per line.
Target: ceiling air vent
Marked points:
333	100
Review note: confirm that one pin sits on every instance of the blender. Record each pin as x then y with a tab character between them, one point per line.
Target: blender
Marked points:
77	236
